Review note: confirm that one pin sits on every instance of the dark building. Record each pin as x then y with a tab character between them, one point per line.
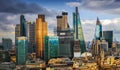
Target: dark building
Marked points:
65	39
22	26
108	36
7	43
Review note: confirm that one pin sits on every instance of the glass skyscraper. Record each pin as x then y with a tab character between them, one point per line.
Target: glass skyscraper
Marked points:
98	30
51	47
21	50
22	26
78	32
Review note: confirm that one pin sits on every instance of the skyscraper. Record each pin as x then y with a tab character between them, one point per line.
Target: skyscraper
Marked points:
22	26
65	35
98	30
17	32
7	43
108	36
21	50
41	32
62	21
51	47
78	33
31	36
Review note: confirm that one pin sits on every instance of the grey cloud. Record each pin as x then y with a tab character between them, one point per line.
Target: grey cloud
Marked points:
19	7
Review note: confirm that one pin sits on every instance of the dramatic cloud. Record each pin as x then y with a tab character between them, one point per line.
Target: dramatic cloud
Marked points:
19	7
104	6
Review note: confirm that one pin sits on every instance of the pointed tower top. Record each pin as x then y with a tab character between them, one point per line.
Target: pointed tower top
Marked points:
98	21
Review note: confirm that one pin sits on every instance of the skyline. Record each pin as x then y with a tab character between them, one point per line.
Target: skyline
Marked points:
10	14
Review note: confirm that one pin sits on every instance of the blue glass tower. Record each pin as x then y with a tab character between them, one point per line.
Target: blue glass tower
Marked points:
21	50
22	26
78	33
98	30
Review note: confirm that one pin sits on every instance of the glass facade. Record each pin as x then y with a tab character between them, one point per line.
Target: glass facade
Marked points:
78	32
21	49
108	36
98	31
22	26
51	49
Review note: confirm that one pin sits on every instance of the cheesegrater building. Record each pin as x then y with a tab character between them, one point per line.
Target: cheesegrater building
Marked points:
79	42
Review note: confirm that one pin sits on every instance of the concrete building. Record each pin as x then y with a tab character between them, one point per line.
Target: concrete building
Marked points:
41	32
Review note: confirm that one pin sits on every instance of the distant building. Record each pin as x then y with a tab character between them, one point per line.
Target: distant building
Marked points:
98	46
17	32
31	37
51	47
4	56
98	30
21	50
41	32
78	32
108	36
7	43
22	26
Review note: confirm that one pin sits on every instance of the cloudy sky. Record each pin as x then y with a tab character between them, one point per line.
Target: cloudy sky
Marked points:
108	12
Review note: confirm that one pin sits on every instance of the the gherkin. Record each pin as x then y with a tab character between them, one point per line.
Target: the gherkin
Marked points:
78	33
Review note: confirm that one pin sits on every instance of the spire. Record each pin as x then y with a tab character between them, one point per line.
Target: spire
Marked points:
98	21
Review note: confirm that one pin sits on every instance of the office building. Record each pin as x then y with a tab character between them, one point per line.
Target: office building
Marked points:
17	32
51	47
108	36
78	33
41	32
65	40
21	50
22	26
65	35
6	43
31	36
98	30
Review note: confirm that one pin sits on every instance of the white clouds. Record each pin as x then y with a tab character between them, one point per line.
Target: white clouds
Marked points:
102	6
73	4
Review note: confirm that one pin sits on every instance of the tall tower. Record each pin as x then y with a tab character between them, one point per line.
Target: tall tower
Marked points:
22	26
31	36
78	33
98	30
41	32
17	32
21	49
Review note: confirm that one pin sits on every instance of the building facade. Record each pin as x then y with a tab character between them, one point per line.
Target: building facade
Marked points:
7	43
21	50
17	32
22	26
41	32
78	32
51	47
31	36
98	30
108	36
